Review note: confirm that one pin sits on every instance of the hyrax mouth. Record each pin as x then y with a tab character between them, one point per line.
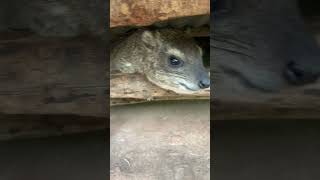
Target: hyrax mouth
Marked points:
187	87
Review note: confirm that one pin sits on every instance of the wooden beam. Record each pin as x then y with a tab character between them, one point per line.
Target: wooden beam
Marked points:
32	125
70	157
147	12
135	88
294	103
53	76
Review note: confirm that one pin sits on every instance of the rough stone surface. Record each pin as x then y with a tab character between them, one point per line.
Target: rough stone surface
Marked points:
146	12
168	141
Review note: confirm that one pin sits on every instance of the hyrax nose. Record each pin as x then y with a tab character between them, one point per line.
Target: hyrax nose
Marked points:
299	76
204	83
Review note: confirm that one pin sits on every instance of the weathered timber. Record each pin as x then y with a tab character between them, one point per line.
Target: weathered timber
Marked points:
69	157
17	126
135	88
295	103
53	76
147	12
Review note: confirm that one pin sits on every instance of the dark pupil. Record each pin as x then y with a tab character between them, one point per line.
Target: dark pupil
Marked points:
174	61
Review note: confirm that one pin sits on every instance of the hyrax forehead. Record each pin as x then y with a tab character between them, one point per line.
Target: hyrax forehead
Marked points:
175	42
178	42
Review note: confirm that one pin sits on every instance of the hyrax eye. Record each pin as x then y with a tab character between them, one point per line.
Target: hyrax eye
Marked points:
175	62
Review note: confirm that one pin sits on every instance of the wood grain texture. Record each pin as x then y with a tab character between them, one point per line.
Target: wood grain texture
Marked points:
18	126
294	103
135	88
53	76
146	12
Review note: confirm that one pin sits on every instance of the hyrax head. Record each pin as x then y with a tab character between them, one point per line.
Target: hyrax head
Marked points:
174	61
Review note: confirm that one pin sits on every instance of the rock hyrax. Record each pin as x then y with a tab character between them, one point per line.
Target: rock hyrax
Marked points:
167	57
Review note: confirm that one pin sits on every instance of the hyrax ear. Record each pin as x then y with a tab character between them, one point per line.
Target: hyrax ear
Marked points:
150	39
200	50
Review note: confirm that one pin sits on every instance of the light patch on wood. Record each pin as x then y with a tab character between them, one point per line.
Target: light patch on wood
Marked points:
124	8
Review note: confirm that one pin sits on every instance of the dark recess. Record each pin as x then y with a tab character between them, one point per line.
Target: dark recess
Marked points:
310	7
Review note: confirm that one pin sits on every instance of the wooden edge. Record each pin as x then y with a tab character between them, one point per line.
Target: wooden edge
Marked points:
293	103
134	88
53	76
258	111
17	126
147	12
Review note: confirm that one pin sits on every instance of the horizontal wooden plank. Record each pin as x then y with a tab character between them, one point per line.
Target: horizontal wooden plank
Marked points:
135	88
147	12
18	126
294	103
53	76
71	157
